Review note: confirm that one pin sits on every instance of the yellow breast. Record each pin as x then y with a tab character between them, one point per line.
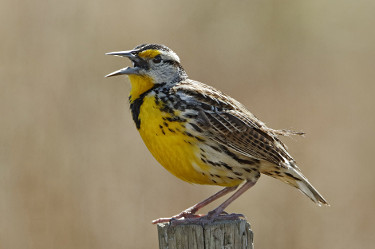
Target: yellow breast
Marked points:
168	144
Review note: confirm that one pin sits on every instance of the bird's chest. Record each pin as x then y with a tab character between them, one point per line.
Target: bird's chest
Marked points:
158	126
163	131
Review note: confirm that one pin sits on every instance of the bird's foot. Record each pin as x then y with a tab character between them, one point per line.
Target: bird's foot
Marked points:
185	218
188	214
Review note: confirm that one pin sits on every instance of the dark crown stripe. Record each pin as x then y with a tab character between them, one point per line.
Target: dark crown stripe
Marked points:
144	47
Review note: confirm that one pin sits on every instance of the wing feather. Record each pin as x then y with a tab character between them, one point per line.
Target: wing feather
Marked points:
229	123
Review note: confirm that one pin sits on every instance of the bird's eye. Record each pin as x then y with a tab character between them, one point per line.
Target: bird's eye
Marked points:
157	59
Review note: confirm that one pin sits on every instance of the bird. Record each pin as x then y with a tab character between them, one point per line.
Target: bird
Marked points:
203	136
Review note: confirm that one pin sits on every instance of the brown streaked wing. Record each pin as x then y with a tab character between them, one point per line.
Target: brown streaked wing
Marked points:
229	123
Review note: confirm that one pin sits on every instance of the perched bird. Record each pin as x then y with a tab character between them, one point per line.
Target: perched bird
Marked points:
202	135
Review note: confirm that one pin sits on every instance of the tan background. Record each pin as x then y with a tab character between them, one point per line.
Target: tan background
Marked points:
74	173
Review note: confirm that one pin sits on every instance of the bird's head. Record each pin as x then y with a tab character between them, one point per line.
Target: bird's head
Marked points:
156	62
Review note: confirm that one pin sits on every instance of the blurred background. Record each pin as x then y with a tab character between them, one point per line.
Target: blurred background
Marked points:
74	172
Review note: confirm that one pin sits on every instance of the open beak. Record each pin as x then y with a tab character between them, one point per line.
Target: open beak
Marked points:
127	70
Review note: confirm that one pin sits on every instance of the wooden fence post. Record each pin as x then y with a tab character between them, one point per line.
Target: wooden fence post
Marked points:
221	234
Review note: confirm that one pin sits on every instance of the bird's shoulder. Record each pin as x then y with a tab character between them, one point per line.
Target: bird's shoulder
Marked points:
205	94
211	100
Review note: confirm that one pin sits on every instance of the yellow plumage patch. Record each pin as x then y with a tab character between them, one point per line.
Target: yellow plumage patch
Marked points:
149	53
140	84
175	151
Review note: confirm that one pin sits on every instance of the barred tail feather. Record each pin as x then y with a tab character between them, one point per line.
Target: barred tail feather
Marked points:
300	182
305	187
291	175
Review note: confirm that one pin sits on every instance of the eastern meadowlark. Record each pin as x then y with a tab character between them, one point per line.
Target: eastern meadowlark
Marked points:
202	135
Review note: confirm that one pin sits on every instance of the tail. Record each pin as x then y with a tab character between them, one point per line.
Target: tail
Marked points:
293	176
305	187
298	180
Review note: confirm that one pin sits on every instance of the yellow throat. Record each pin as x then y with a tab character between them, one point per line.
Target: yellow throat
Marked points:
139	85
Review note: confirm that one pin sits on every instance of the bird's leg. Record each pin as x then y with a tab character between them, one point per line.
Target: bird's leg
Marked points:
220	209
190	212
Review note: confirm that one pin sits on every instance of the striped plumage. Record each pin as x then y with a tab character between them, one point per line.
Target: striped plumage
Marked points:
200	134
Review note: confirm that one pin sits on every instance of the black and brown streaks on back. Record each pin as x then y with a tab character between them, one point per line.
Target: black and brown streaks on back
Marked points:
229	123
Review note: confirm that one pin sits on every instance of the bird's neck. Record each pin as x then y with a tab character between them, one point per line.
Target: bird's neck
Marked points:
139	85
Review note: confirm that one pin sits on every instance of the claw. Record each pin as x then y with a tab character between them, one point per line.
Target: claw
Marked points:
183	216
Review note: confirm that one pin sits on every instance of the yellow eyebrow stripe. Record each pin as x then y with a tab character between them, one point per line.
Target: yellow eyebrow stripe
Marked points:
149	53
